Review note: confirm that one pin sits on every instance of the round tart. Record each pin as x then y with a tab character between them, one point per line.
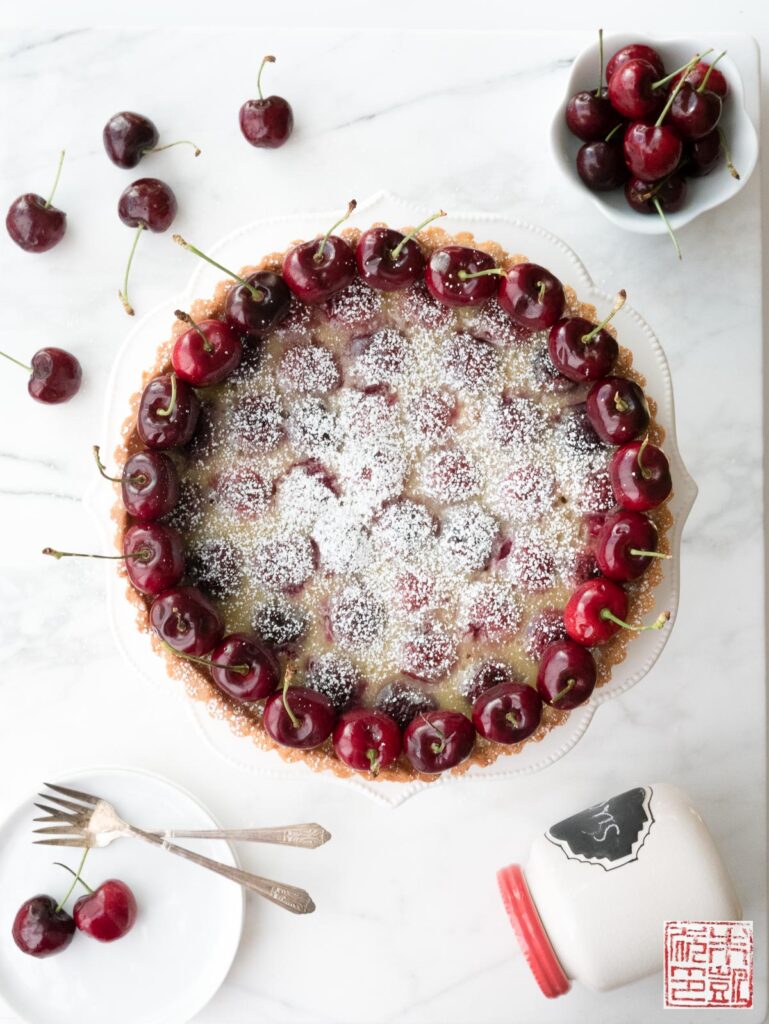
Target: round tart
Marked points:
388	501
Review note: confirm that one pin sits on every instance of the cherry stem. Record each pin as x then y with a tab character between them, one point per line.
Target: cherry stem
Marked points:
170	145
464	276
678	87
66	867
172	400
414	231
240	669
645	473
619	302
187	319
374	760
668	226
513	719
600	62
656	625
286	705
17	361
135	478
256	293
265	60
55	180
613	132
708	73
74	882
541	289
648	554
571	682
727	154
124	293
619	403
680	71
350	207
142	553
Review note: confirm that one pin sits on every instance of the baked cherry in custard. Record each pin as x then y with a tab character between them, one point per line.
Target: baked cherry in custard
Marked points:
581	350
149	484
532	296
33	223
299	717
367	741
617	410
640	476
314	271
458	275
244	668
186	620
389	260
567	675
168	412
508	712
627	546
207	353
438	740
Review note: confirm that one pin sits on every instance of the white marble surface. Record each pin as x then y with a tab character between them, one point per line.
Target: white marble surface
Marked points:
409	927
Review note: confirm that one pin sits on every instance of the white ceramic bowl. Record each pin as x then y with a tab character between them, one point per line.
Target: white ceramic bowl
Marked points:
246	245
704	193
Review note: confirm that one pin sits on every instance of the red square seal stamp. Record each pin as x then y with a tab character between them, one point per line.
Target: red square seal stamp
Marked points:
708	964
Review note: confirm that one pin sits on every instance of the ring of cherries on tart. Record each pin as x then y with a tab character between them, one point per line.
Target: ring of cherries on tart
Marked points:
649	131
405	719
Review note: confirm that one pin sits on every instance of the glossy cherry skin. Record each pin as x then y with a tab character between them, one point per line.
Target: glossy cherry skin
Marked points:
670	193
696	76
376	265
695	114
314	276
32	225
566	675
601	165
157	431
315	714
702	156
519	296
640	487
258	317
267	123
438	740
652	151
367	741
157	561
622	533
580	360
582	614
149	486
635	51
507	713
632	92
127	137
591	117
39	929
263	673
443	280
149	202
617	410
205	361
186	620
56	376
108	913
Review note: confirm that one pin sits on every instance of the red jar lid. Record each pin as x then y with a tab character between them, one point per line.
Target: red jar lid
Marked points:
530	932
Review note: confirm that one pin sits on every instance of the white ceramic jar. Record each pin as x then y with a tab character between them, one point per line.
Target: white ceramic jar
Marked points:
592	901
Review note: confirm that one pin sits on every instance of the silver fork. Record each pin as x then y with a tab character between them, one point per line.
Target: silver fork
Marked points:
85	820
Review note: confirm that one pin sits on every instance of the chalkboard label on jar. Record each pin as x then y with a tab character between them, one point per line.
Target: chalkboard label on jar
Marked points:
609	834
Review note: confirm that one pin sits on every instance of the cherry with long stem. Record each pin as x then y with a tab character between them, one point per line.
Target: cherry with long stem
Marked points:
600	63
123	293
140	479
171	401
727	155
49	200
74	881
86	886
619	302
241	670
141	554
321	248
704	84
170	145
395	253
187	319
658	623
256	294
269	59
295	720
18	362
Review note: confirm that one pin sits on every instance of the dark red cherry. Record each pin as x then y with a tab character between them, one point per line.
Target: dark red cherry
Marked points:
581	350
601	165
240	651
485	677
696	77
652	151
450	276
315	270
299	717
266	123
403	701
389	260
532	296
147	203
207	353
41	929
149	485
635	51
640	476
634	91
55	375
259	305
702	156
108	913
591	610
507	713
626	546
168	412
127	137
695	114
186	620
670	193
366	740
590	115
438	740
154	557
566	675
617	409
33	224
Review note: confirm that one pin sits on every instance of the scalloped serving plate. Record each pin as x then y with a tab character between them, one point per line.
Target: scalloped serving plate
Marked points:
245	246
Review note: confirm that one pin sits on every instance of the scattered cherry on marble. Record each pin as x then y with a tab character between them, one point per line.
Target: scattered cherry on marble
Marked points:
366	740
168	412
581	350
507	713
627	545
617	410
316	270
435	741
388	260
532	296
128	137
55	375
566	674
298	716
640	476
186	621
147	204
597	610
266	123
33	223
589	114
149	484
458	275
635	51
207	353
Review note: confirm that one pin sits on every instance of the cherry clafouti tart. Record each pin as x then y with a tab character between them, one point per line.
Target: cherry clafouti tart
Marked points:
392	501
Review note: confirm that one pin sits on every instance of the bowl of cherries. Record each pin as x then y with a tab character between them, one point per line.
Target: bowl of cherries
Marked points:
654	132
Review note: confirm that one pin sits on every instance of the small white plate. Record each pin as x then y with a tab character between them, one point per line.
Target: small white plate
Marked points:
186	933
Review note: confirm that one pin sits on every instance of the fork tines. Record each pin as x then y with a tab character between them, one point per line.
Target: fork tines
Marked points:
70	818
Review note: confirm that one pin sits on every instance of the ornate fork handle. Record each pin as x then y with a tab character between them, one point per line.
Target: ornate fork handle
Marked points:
289	896
308	836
